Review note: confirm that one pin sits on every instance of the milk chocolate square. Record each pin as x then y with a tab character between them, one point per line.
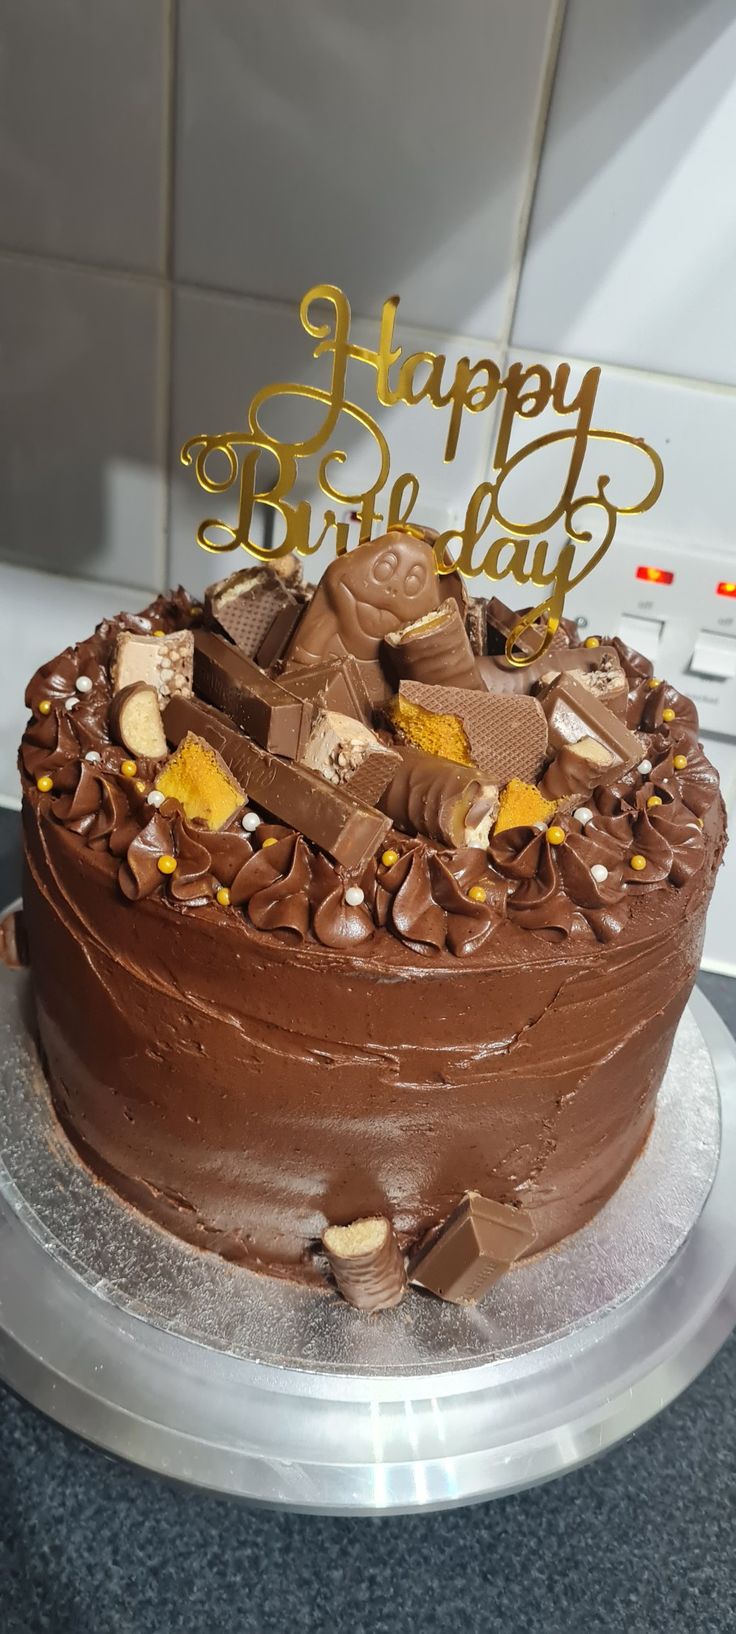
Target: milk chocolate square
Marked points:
474	1248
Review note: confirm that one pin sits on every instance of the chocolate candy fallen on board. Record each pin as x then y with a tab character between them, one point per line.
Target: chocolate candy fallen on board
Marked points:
328	816
480	1241
366	1263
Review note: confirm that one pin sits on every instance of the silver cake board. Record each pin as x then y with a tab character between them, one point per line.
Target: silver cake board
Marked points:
243	1385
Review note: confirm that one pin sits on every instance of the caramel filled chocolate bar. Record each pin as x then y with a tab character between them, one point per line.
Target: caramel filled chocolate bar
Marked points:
337	685
598	669
573	712
480	1241
435	649
224	677
328	816
366	1263
438	798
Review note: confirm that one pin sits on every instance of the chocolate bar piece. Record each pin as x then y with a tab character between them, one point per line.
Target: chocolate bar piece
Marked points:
475	624
480	1241
336	685
245	604
163	661
135	721
348	753
199	778
438	798
573	712
223	676
330	817
501	620
364	594
366	1263
505	736
577	769
435	649
598	669
281	630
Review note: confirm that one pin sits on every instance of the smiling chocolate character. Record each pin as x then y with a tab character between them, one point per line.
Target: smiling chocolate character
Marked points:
375	588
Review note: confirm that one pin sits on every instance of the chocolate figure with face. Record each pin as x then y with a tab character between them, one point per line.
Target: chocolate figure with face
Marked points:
375	588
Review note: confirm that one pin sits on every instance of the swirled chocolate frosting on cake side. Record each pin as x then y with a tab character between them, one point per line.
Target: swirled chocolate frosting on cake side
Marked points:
337	920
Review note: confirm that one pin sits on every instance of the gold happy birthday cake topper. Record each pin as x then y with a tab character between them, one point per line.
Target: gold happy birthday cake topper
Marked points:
519	550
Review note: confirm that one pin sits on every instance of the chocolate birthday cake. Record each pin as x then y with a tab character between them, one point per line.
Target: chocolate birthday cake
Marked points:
358	950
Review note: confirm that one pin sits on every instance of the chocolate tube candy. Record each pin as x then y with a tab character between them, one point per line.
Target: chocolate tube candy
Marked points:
577	769
337	685
473	1249
366	1263
347	753
598	669
245	604
435	649
135	721
505	736
375	588
13	942
329	817
573	713
438	798
231	682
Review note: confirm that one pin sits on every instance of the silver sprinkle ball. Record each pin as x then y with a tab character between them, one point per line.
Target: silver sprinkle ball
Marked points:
70	704
250	822
354	896
644	767
83	684
599	872
93	757
582	814
155	798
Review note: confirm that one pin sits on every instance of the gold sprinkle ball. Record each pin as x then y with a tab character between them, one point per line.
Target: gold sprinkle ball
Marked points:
43	784
591	641
680	762
556	835
223	896
159	632
270	841
44	707
476	894
196	609
654	800
139	786
699	822
653	682
389	858
637	862
166	864
128	768
668	714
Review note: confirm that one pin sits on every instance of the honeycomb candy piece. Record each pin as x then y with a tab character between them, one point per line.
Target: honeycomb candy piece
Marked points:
504	736
204	786
521	805
441	735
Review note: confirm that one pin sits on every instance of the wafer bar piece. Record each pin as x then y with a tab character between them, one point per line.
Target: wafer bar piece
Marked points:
438	798
328	816
281	629
336	685
245	604
135	721
223	676
573	712
435	649
198	777
366	1263
346	752
504	735
162	661
577	769
480	1241
598	669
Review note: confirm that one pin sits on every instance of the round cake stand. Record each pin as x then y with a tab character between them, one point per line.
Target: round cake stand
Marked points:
282	1397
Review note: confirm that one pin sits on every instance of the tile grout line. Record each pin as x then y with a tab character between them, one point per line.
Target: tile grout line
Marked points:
165	386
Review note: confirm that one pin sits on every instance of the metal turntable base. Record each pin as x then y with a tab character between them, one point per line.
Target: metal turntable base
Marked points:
239	1384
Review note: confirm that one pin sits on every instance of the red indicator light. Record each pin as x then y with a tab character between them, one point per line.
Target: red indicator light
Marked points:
655	575
727	587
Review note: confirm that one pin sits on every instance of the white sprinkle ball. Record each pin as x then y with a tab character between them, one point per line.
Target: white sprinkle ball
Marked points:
93	757
70	704
644	767
250	822
541	825
582	814
145	623
354	896
599	872
155	798
83	683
